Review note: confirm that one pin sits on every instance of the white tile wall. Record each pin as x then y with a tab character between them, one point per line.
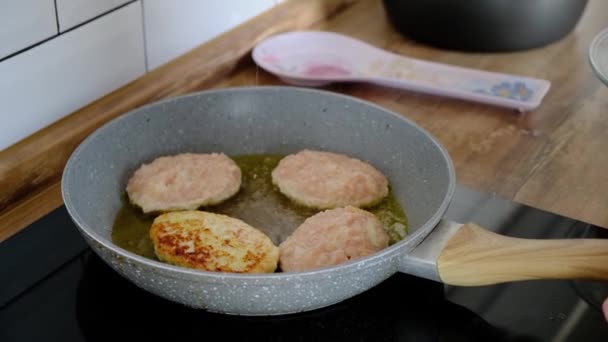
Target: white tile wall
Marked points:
52	80
74	12
25	22
175	26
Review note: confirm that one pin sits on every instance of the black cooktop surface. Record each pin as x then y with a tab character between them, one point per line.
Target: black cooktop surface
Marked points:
53	288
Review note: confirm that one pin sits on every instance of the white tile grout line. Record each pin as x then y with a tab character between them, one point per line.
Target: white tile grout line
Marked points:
143	27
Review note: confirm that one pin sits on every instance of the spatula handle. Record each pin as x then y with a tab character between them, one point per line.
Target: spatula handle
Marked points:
477	256
506	90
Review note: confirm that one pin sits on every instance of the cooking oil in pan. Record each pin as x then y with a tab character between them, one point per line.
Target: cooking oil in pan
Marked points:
258	203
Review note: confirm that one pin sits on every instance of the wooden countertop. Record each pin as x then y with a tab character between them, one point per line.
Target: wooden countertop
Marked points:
552	158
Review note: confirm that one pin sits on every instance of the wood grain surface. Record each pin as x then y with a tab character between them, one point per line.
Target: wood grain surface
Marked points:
552	158
475	256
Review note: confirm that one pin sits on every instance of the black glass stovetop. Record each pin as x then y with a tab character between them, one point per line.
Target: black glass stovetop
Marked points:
53	288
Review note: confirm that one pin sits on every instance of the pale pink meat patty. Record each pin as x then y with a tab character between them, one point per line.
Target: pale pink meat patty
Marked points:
184	182
326	180
332	237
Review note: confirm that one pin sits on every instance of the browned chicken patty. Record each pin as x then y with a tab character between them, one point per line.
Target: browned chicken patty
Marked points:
212	242
332	237
326	180
184	181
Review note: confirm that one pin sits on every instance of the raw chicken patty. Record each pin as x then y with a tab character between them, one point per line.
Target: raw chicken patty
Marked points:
332	237
212	242
326	180
184	181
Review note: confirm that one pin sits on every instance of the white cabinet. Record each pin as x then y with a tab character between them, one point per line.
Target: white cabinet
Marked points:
24	23
53	79
74	12
175	26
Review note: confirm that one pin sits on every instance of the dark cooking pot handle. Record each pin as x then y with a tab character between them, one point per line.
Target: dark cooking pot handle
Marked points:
469	255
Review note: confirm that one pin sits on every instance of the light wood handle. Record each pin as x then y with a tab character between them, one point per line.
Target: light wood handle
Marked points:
476	256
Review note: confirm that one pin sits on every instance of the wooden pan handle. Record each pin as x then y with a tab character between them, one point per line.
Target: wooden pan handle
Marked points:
476	256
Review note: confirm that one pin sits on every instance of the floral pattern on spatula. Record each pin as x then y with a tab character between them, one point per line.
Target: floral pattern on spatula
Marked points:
517	90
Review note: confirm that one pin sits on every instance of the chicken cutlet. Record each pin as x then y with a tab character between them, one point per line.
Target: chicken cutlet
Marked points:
332	237
184	182
212	242
326	180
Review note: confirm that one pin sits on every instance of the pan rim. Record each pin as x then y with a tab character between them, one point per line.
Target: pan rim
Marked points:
417	236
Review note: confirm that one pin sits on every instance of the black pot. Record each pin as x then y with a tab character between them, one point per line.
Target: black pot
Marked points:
485	25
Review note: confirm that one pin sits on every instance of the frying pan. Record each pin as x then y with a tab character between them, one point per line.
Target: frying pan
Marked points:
285	120
485	25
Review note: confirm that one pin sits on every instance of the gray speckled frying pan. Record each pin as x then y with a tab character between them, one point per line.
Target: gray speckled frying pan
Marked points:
286	120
